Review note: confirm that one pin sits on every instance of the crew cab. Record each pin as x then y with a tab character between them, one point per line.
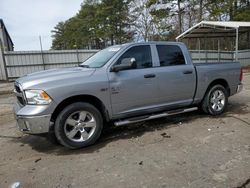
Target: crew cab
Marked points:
121	84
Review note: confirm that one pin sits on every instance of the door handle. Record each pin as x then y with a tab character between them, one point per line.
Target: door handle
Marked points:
188	72
149	75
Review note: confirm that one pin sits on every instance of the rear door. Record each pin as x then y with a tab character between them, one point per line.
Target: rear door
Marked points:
176	78
134	90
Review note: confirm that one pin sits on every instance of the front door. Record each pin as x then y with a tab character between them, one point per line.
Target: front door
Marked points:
134	90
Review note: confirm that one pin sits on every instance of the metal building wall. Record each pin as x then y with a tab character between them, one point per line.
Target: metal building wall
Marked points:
204	56
2	67
244	57
20	63
24	62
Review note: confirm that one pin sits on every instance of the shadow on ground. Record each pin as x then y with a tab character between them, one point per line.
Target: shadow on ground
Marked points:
112	133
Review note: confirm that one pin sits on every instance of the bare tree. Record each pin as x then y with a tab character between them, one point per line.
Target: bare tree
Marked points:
142	19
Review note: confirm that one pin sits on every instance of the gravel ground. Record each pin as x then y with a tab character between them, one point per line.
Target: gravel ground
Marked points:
188	150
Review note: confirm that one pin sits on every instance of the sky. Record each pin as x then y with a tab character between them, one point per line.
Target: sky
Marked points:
26	20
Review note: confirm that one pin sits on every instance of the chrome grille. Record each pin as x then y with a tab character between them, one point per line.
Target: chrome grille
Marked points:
19	94
17	88
20	100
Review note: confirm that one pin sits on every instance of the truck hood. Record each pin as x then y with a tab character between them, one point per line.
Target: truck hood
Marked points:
37	79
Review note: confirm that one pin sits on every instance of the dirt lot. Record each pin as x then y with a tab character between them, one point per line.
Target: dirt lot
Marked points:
189	150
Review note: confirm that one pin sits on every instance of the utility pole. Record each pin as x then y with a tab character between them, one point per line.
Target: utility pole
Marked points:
200	10
40	40
41	48
179	16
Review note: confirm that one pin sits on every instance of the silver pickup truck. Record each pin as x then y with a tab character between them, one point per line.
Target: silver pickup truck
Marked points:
121	84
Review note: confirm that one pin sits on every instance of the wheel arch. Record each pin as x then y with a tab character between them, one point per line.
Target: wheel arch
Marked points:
220	81
81	98
205	104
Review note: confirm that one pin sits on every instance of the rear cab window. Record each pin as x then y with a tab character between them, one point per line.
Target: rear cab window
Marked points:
170	55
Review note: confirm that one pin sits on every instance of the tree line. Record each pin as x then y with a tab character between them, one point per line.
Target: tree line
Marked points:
101	23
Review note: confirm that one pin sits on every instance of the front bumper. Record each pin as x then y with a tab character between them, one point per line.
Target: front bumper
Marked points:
30	120
33	124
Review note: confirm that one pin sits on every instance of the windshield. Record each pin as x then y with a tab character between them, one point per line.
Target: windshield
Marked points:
101	58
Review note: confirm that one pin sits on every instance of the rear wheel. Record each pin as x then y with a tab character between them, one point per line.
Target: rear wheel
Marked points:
215	100
78	125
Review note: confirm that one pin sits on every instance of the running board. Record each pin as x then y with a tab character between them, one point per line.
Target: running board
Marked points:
149	117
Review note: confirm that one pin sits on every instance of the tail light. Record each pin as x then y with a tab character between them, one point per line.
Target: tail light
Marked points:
241	74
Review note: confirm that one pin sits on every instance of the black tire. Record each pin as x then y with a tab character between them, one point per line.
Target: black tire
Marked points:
207	105
66	113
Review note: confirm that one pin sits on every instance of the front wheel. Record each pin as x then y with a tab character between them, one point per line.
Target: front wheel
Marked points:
215	100
78	125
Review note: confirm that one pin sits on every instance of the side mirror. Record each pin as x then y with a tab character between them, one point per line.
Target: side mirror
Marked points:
126	63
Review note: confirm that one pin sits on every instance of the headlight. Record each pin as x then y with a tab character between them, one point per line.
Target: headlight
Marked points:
37	97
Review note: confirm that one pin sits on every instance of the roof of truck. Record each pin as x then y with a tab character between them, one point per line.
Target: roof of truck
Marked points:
154	42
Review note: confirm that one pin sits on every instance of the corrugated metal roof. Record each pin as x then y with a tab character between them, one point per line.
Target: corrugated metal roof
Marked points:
232	24
205	27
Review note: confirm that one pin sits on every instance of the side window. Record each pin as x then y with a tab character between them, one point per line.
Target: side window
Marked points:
142	55
170	55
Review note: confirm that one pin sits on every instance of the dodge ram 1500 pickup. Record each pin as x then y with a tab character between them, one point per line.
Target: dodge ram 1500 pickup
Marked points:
121	84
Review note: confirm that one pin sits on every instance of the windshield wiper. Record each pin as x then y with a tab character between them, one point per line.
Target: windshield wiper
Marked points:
86	66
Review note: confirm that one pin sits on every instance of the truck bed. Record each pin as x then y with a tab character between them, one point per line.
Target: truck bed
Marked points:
208	72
